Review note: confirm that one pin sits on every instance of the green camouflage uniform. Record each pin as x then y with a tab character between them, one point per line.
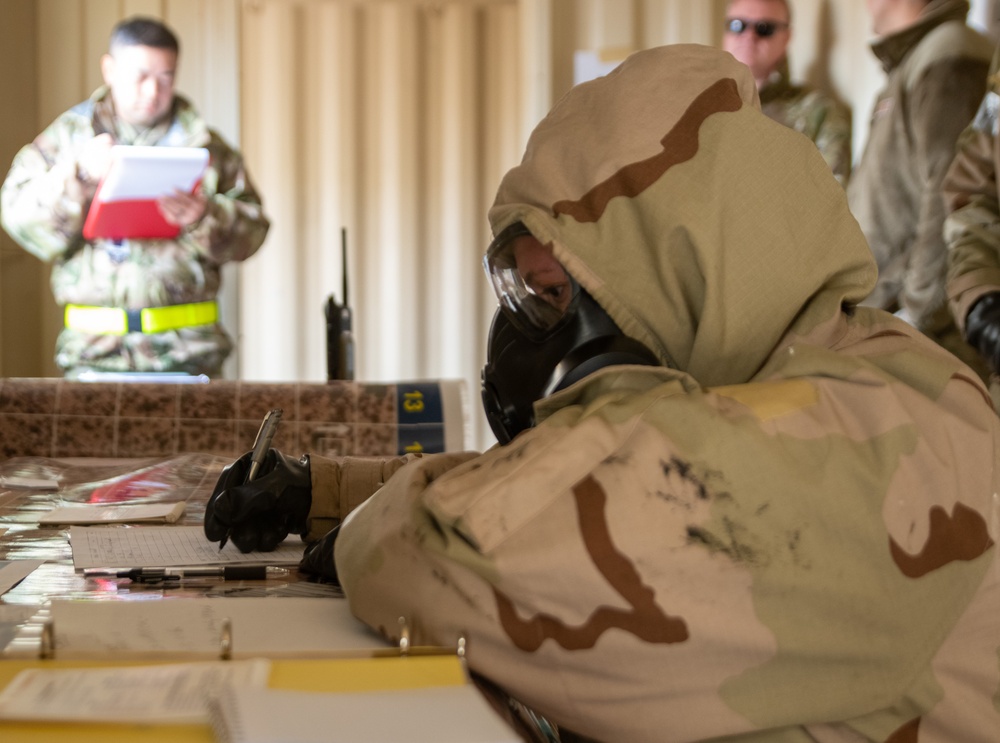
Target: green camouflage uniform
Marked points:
785	534
972	228
812	112
43	204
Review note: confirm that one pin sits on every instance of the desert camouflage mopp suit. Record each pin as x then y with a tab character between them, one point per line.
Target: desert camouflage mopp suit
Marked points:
787	533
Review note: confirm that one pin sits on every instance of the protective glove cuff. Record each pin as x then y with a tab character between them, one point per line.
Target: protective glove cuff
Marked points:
296	498
982	328
318	557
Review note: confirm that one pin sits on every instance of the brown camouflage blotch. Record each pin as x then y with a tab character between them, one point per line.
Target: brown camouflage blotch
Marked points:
646	620
961	536
679	145
909	733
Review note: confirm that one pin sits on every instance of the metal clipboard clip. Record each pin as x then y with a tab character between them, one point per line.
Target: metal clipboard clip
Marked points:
47	641
405	646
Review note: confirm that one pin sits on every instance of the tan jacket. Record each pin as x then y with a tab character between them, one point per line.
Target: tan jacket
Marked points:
936	77
785	533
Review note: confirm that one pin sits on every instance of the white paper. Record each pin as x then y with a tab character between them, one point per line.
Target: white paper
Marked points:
91	375
446	714
139	172
14	571
86	513
258	626
174	693
12	621
166	546
28	483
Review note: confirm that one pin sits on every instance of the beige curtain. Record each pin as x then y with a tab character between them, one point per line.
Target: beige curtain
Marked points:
394	120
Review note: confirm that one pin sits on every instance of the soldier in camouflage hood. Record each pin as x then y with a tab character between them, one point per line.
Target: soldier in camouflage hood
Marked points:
757	33
783	531
134	305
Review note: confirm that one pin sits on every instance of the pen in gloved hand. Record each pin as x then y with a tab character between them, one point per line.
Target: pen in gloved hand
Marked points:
265	435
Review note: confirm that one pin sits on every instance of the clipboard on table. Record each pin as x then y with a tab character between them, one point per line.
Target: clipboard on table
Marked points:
124	206
379	669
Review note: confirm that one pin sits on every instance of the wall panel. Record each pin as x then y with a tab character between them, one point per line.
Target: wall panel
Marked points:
22	277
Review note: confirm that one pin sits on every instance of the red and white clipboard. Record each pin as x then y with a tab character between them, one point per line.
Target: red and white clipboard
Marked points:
124	206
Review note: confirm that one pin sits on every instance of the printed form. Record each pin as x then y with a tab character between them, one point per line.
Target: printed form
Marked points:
166	546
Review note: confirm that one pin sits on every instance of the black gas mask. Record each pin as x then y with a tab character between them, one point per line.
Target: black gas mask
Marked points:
547	334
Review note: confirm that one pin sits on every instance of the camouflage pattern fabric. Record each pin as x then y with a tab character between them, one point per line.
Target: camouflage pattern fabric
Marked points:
972	227
787	533
811	112
44	202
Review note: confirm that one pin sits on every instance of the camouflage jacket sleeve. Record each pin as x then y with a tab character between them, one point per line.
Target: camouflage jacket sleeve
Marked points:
234	225
972	227
341	485
833	138
43	199
709	563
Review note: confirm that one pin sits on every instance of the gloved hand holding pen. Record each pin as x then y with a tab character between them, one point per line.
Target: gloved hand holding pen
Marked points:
259	514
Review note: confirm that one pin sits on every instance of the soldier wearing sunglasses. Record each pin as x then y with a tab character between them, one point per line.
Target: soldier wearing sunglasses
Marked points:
757	33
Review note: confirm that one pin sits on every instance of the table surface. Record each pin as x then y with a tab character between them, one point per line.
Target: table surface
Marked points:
188	477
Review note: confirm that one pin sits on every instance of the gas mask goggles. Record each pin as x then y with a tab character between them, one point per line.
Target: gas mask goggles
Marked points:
547	333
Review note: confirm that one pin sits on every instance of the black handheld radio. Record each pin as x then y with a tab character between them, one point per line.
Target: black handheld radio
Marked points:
339	337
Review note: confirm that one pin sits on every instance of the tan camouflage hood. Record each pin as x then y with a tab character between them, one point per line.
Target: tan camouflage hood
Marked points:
664	215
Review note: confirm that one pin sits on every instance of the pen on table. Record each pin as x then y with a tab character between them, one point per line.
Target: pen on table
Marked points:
265	435
160	575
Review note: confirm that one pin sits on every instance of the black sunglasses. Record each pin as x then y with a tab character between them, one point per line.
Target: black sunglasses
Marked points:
763	29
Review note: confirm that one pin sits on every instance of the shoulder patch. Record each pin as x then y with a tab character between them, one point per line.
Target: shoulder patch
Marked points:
770	400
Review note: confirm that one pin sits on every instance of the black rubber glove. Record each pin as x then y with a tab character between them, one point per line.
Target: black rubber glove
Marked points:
982	328
318	557
260	514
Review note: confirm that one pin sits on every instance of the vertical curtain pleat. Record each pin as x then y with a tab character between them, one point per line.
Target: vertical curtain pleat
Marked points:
389	318
272	136
457	224
326	154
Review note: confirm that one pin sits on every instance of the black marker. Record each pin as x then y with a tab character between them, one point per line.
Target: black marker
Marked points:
162	575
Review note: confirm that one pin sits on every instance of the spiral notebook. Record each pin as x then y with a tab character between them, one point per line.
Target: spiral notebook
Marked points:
442	714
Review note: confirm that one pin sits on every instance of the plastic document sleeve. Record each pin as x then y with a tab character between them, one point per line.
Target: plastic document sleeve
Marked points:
124	206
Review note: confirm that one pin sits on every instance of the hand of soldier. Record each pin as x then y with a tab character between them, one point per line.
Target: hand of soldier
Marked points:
95	158
982	328
182	209
258	515
318	557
